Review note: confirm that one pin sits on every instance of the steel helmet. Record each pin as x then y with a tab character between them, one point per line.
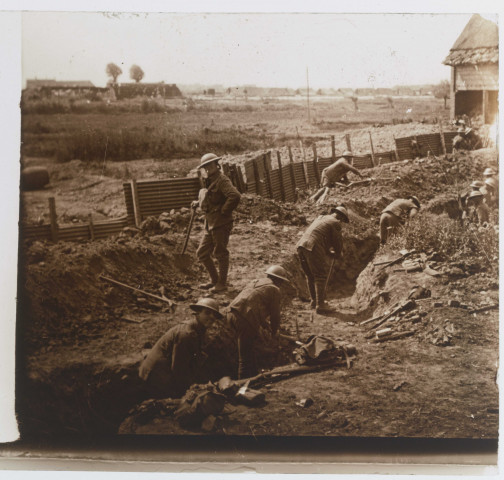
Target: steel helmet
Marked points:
347	153
208	158
489	172
278	272
342	211
415	200
209	303
491	182
475	193
477	184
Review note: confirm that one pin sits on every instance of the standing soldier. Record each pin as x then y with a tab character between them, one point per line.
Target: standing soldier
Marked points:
396	214
218	201
320	240
257	302
335	173
172	364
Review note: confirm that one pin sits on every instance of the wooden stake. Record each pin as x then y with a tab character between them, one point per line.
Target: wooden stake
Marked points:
348	143
292	173
372	149
91	227
136	203
54	219
395	149
257	177
443	145
267	168
282	188
315	163
333	149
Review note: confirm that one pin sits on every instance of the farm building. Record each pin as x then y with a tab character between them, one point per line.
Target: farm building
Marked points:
36	89
35	83
131	90
474	62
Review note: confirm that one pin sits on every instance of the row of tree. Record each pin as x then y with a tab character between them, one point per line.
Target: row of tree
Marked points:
113	71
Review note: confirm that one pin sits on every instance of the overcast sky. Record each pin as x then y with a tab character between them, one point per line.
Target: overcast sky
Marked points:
263	49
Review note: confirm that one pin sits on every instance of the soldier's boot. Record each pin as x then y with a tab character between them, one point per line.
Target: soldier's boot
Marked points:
322	305
212	271
221	284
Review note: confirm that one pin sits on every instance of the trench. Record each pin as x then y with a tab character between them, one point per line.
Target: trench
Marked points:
92	397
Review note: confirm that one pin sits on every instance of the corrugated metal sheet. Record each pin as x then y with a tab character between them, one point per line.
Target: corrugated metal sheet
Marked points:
362	161
275	183
299	175
477	77
448	138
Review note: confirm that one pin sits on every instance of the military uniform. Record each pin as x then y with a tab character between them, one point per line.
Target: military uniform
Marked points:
477	213
395	214
171	365
220	201
334	173
257	302
313	249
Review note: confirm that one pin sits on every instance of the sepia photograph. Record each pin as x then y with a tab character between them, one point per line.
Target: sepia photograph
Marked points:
258	227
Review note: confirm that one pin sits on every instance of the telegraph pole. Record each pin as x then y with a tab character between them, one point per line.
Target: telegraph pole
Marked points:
308	95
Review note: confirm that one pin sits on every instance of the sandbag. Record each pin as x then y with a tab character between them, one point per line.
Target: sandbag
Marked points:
34	178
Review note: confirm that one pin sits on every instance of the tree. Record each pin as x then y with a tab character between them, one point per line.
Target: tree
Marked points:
442	90
136	73
113	71
355	100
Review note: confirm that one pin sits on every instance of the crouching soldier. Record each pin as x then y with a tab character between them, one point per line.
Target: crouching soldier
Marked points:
172	364
257	302
218	201
320	240
477	211
335	173
396	214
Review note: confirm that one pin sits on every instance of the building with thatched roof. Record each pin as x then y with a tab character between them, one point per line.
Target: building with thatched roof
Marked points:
474	61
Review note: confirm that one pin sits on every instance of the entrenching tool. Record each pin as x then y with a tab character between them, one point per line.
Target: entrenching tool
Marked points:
182	259
331	268
143	292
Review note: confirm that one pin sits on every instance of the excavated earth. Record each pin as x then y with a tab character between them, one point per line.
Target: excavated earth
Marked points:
80	338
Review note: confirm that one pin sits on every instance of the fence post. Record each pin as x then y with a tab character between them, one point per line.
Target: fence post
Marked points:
333	149
91	227
282	189
372	149
293	174
315	163
54	219
257	177
443	145
348	143
267	168
136	203
395	149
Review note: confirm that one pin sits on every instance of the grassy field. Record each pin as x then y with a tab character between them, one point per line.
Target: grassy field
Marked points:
180	128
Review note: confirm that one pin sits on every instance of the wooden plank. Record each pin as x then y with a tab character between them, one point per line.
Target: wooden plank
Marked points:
395	151
372	149
136	203
53	219
280	176
348	142
257	179
267	168
292	173
91	227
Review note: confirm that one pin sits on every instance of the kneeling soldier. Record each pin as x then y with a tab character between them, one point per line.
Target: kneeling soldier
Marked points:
322	236
396	213
171	366
257	302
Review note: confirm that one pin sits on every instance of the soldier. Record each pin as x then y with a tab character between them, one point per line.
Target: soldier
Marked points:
218	201
257	302
172	364
396	213
477	211
320	240
489	173
335	173
491	192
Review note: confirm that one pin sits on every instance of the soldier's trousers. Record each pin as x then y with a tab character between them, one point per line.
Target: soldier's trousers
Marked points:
215	243
247	335
388	222
316	268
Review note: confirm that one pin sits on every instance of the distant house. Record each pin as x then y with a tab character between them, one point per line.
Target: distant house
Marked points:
36	89
131	90
33	84
474	62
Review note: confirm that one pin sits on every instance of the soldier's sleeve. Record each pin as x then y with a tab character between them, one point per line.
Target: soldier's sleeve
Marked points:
152	358
351	168
232	196
275	311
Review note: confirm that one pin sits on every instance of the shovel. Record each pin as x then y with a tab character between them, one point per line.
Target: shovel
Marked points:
182	259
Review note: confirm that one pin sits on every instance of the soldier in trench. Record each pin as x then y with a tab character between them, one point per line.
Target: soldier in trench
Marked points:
172	364
218	201
337	172
259	301
477	210
396	214
322	239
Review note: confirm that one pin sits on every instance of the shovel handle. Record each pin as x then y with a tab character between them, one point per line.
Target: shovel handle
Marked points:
193	213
